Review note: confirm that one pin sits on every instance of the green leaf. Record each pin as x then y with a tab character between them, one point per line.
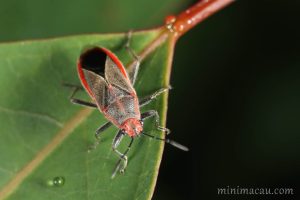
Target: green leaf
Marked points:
44	137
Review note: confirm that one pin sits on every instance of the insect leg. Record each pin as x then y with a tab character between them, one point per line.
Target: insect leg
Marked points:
97	135
70	85
78	101
118	138
154	113
135	67
171	142
101	129
83	103
148	99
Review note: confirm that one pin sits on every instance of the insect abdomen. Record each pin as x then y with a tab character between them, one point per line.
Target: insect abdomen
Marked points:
123	109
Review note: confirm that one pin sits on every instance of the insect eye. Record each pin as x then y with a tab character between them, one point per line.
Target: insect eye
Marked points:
142	122
123	130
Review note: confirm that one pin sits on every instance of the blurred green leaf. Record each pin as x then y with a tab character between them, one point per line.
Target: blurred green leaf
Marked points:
28	19
44	138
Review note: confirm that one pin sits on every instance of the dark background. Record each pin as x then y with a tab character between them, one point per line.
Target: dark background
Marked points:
236	80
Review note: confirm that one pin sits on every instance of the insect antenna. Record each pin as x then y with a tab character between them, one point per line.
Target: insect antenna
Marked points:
171	142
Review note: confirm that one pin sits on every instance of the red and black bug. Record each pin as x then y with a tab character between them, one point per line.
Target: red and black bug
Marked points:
110	87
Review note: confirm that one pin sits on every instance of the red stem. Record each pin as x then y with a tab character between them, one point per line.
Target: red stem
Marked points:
177	26
194	15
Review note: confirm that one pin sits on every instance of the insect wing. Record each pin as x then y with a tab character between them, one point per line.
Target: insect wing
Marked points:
117	76
99	69
97	86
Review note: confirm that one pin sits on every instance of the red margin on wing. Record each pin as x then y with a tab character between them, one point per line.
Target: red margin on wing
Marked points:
83	80
116	60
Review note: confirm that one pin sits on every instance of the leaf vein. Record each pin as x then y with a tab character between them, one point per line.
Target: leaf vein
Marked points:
40	116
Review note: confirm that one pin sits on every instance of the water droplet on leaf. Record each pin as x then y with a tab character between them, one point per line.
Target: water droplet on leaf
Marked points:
57	181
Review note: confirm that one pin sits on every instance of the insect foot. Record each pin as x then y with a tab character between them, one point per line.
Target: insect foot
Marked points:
120	166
